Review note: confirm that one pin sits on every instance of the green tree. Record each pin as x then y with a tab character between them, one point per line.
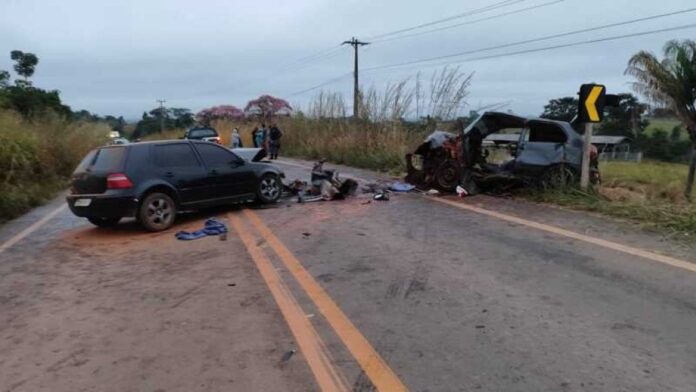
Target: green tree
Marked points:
25	63
561	109
675	136
672	83
625	119
4	79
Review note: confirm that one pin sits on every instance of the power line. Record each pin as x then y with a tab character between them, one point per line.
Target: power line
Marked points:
544	38
320	85
526	51
470	22
548	48
491	7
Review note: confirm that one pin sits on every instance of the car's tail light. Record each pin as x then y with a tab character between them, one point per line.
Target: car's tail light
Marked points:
118	181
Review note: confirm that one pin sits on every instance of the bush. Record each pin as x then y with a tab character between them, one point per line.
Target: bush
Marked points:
38	156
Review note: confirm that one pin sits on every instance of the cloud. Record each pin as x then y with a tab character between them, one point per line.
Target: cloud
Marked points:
117	57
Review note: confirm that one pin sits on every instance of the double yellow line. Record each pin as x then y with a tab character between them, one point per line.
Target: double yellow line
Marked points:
308	340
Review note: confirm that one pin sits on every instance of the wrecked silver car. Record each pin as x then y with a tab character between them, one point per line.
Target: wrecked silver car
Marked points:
500	148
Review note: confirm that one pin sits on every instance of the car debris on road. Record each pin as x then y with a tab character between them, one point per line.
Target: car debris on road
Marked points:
211	227
325	184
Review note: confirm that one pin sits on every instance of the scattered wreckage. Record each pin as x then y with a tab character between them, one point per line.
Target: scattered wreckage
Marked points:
325	184
536	151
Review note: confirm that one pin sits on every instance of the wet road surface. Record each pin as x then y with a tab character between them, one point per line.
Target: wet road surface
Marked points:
359	295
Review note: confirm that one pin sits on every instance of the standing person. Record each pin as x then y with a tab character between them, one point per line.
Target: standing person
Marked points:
260	137
236	139
274	136
253	136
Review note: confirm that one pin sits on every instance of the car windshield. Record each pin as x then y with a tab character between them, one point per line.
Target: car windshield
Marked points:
204	132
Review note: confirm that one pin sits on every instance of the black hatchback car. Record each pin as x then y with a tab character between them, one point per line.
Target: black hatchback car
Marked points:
152	181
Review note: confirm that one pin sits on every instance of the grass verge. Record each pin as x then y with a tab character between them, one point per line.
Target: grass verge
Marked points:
38	156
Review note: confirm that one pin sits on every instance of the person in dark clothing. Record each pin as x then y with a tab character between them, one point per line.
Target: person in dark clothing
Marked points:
274	140
253	136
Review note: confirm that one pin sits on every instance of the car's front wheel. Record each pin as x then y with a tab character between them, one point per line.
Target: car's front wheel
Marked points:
104	222
269	188
157	212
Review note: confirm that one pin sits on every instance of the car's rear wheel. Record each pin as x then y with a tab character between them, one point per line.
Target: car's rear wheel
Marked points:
269	188
558	177
157	212
104	222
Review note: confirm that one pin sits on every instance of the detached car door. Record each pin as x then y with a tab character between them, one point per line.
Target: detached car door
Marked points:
178	164
230	175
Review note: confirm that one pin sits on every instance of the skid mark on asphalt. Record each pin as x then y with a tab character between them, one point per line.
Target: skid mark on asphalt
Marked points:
376	368
35	226
311	345
571	234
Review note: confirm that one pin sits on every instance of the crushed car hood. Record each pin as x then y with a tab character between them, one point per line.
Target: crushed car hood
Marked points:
250	154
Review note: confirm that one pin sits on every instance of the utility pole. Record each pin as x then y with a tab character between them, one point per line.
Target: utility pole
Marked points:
355	43
161	102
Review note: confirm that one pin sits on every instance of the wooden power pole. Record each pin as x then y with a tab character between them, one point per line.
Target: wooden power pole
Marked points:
355	43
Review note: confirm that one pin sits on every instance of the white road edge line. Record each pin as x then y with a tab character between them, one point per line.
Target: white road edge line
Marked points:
672	261
36	225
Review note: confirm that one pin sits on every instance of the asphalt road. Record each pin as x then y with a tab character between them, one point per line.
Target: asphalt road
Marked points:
416	293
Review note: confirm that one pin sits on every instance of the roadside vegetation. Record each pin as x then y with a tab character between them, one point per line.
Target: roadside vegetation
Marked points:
650	193
41	139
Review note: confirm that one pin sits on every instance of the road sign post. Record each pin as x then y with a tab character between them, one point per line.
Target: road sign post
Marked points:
587	146
590	111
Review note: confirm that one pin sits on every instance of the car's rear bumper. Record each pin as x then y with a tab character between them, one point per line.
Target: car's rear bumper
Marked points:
103	206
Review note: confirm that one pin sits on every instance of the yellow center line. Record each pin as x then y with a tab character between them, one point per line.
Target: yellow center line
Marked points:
19	236
307	338
379	372
571	234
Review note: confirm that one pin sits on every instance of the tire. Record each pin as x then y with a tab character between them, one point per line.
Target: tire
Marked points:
448	175
103	222
557	177
269	188
157	212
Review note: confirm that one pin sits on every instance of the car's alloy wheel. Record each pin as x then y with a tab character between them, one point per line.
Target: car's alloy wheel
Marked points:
269	188
157	212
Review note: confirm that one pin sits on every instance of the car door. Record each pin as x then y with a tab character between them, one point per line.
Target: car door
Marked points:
541	145
230	176
178	164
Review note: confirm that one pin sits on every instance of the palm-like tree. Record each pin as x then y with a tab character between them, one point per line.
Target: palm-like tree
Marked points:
672	83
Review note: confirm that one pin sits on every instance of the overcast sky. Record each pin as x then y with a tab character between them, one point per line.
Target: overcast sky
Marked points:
118	57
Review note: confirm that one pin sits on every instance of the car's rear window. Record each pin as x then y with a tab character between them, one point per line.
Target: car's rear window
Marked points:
195	133
86	161
109	159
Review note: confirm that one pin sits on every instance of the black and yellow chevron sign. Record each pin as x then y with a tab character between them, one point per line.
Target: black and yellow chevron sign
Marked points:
592	101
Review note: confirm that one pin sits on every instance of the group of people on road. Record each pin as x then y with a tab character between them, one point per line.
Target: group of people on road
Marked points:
262	137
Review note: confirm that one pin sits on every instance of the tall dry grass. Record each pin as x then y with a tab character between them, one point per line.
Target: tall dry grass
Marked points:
38	156
380	137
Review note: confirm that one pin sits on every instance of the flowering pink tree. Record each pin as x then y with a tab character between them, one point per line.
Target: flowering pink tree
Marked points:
222	112
267	106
